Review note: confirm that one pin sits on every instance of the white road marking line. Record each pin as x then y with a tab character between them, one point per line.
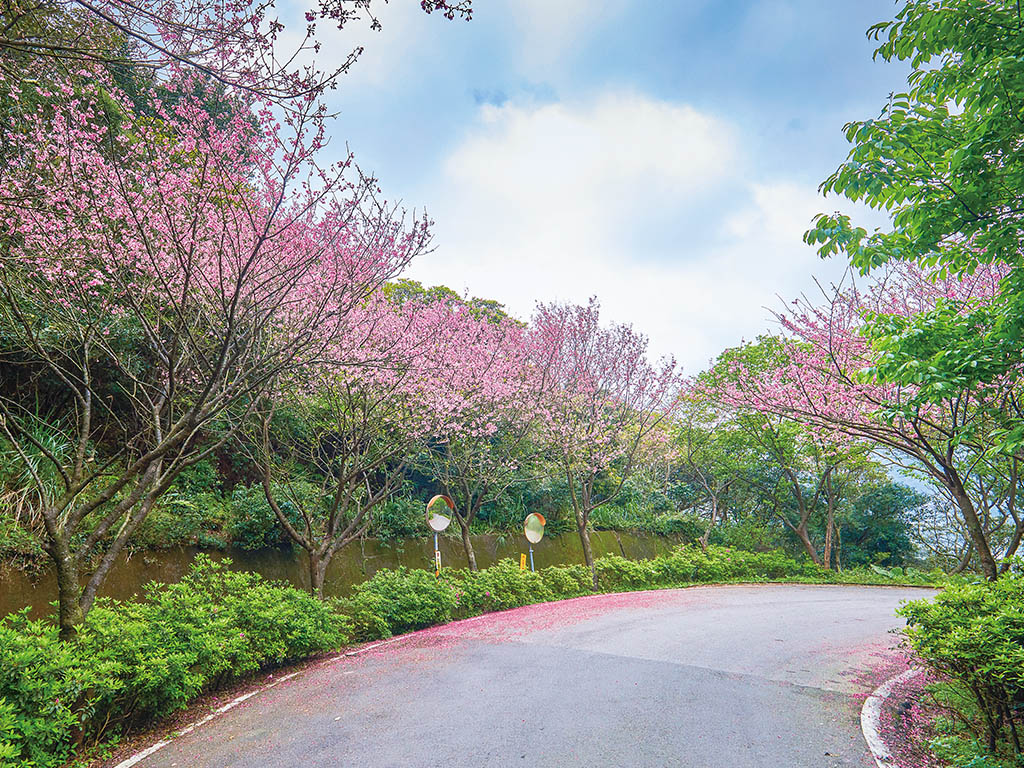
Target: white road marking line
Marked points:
140	756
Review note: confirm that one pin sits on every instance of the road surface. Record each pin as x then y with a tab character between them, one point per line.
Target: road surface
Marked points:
708	677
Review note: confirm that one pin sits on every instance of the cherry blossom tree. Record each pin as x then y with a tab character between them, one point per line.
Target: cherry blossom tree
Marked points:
499	396
811	469
831	379
156	274
604	405
242	46
336	438
169	247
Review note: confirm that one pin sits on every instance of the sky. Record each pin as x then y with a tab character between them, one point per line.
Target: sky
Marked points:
664	157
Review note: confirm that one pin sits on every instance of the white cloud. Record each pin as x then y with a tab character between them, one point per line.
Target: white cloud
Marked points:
552	176
546	202
547	31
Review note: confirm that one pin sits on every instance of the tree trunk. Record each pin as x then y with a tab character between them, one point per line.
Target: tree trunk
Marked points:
826	557
805	539
467	544
706	536
974	528
718	512
965	560
69	592
830	523
317	569
588	553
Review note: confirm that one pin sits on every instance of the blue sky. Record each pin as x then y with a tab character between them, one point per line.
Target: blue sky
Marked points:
662	156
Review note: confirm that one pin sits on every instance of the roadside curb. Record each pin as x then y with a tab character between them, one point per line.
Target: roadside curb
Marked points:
871	713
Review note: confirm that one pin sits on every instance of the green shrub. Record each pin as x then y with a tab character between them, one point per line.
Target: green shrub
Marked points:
43	684
688	564
687	527
671	571
137	660
198	479
9	751
364	616
502	586
617	574
974	635
747	533
956	751
770	565
407	599
636	517
193	512
17	545
566	580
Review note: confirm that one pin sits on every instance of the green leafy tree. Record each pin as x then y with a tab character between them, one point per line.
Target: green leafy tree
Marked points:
876	528
943	160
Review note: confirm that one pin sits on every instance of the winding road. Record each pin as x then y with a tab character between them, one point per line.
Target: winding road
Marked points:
708	677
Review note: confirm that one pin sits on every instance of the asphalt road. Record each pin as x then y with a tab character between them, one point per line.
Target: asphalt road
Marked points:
710	677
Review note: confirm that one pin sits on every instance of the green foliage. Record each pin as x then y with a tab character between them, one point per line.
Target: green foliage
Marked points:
403	290
873	574
955	743
973	634
687	527
876	528
943	161
42	684
138	660
548	496
690	565
406	599
400	518
252	523
641	518
184	519
403	600
17	544
364	614
566	580
942	157
8	722
752	532
498	588
201	477
960	751
618	574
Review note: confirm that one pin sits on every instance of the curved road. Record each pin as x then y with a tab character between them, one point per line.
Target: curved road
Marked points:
708	677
